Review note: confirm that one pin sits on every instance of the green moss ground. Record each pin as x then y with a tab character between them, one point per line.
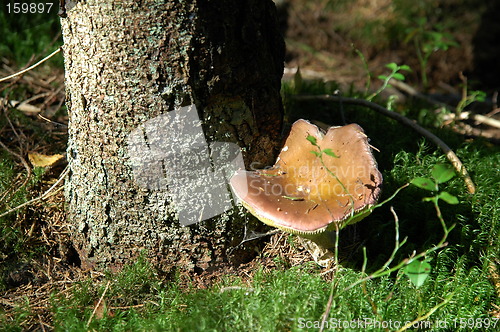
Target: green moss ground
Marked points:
461	293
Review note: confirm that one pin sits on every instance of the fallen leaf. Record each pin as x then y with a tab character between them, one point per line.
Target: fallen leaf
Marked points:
42	160
100	309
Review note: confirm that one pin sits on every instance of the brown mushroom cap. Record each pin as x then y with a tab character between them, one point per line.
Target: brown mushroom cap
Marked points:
299	195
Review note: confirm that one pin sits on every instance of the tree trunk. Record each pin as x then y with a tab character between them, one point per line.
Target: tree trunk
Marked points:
128	62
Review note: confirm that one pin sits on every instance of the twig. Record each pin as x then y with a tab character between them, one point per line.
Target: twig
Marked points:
328	308
31	67
40	321
452	157
98	303
53	95
476	117
462	116
131	306
465	129
23	161
43	196
23	106
10	123
427	315
51	121
6	192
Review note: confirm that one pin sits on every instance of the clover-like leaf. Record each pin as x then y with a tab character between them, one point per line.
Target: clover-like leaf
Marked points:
417	272
316	153
398	76
448	198
312	139
479	95
424	183
330	153
392	66
442	173
405	67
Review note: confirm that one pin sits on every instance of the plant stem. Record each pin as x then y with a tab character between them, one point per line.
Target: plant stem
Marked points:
340	182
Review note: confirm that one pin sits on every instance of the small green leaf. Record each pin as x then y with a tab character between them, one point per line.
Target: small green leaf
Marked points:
417	272
424	183
316	153
448	198
330	153
312	139
382	77
392	66
398	76
442	173
405	68
479	95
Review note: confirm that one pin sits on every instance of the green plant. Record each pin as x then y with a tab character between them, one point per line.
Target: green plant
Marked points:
332	154
27	35
468	97
426	42
138	299
394	74
417	271
440	174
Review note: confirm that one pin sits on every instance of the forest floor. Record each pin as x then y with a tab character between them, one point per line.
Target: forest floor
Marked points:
326	46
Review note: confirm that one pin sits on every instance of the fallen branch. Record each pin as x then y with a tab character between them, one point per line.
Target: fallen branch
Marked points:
480	119
452	157
98	304
31	67
45	195
23	106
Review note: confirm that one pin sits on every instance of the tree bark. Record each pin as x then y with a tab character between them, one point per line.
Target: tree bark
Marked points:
127	62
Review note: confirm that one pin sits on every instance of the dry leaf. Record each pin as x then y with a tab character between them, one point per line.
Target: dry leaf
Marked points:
100	309
41	160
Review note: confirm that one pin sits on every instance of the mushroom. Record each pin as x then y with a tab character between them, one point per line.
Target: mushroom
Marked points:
320	183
